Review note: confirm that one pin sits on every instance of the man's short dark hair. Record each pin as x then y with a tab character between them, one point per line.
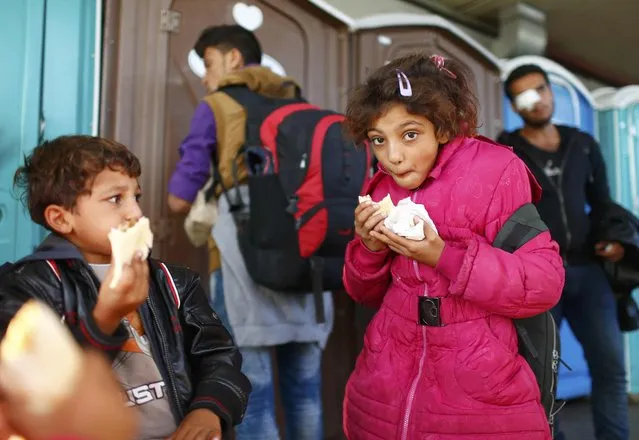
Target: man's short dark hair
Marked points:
227	37
520	72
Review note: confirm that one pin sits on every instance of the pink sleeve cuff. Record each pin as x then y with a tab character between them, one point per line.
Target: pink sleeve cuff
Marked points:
368	261
450	262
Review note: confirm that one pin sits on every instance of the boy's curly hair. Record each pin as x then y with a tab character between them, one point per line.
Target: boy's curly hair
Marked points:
448	102
59	171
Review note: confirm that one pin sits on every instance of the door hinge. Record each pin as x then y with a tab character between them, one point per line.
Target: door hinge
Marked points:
170	21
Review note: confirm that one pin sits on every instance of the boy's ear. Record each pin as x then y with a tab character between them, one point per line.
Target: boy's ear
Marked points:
236	59
59	219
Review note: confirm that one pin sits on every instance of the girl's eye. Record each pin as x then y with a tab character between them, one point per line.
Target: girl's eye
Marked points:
138	197
377	141
410	136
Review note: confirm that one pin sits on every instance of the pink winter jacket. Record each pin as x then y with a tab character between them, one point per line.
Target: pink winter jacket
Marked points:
465	379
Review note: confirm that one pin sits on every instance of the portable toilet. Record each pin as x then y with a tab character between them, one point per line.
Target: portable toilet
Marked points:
574	106
618	124
379	38
48	83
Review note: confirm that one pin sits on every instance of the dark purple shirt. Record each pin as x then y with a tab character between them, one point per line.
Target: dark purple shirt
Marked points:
194	167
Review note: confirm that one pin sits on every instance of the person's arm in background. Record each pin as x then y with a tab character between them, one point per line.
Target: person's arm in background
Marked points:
194	167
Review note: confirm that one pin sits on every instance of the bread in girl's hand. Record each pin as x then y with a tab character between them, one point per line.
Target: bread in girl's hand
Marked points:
385	206
40	362
126	240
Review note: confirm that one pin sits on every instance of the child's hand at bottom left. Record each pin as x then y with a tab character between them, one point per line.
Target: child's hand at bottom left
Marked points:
199	424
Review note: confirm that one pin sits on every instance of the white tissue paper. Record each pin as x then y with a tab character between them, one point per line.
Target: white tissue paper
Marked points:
526	100
401	220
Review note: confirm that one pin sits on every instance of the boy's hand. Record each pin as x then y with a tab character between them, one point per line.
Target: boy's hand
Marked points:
199	424
130	292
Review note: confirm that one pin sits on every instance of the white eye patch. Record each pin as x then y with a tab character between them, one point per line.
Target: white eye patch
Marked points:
527	99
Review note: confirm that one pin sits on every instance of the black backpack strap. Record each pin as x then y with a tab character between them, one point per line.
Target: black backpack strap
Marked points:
521	227
248	99
296	88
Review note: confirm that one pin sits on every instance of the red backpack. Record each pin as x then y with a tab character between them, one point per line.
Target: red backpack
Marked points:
304	179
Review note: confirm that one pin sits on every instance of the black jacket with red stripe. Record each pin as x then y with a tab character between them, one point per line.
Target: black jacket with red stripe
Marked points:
194	352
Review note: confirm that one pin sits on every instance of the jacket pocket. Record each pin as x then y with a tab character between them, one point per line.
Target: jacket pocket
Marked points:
375	338
486	370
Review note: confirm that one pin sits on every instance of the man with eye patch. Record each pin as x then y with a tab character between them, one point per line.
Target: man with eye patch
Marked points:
570	168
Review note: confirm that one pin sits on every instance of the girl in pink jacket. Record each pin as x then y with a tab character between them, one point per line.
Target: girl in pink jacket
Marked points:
461	378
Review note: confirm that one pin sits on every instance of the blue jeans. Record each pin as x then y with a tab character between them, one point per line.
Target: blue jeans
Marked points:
216	298
589	306
299	376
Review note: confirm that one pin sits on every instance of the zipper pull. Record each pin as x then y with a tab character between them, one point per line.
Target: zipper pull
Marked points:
303	162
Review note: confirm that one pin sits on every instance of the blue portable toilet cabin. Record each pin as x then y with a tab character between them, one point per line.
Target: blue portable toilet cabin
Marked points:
618	123
574	106
49	83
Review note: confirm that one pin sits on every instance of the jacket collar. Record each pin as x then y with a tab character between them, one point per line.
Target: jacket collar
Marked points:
55	247
445	153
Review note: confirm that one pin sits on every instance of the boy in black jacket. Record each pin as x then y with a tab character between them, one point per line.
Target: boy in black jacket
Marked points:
174	359
570	168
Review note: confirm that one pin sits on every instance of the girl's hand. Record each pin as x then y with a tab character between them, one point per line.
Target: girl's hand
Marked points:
427	251
367	218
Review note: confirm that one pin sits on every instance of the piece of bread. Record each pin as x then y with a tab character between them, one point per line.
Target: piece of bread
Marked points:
386	205
126	241
40	360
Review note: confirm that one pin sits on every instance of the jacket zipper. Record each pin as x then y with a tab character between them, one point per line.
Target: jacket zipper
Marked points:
171	373
562	203
413	387
165	357
560	194
555	370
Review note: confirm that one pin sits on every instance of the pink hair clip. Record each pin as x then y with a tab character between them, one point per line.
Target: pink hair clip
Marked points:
439	62
405	88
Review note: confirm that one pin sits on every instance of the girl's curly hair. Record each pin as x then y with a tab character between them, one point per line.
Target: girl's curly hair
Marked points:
442	94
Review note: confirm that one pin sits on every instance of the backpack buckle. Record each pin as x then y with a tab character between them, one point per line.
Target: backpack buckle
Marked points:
292	205
429	310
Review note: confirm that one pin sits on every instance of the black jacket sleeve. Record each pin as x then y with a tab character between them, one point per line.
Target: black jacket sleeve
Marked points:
218	383
36	280
14	292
